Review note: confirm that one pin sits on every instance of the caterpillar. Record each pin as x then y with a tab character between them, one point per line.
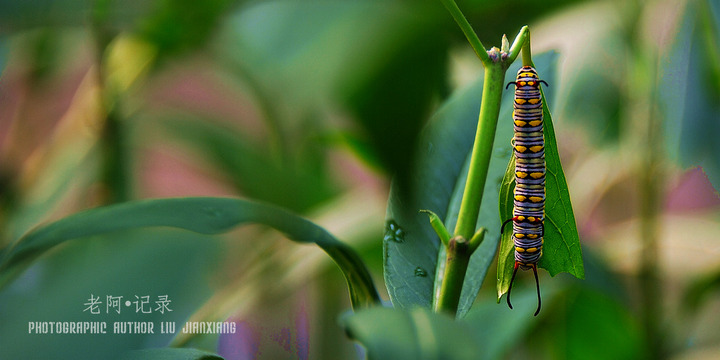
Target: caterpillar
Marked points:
529	195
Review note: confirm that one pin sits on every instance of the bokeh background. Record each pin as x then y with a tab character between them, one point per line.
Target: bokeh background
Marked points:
315	106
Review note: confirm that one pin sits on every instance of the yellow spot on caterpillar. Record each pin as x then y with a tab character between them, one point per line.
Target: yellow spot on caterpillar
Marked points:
520	148
542	241
531	83
531	218
534	101
537	175
536	148
532	236
520	197
536	199
520	123
520	101
521	174
531	250
535	122
519	249
523	83
519	235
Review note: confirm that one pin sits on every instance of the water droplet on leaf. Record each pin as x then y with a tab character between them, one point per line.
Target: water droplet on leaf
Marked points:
393	232
420	272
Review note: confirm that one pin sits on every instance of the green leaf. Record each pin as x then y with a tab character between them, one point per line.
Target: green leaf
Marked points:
170	354
438	177
439	181
123	263
561	251
417	333
201	215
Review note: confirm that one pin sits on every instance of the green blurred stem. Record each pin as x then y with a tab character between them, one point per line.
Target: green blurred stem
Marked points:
467	29
651	190
114	176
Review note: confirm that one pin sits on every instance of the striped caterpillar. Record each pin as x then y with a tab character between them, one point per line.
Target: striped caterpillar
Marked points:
529	194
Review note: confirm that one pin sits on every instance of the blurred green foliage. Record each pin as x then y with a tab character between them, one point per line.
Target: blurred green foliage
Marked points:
288	102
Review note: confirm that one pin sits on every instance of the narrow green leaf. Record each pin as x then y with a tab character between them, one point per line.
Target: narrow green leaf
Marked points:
170	354
417	333
438	226
506	259
561	251
201	215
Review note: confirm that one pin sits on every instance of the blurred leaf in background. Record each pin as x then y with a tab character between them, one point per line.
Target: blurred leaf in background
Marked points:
124	264
692	64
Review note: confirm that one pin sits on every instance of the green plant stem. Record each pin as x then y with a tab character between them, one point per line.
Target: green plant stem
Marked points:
651	189
526	53
458	250
114	176
439	227
521	42
457	261
467	29
482	150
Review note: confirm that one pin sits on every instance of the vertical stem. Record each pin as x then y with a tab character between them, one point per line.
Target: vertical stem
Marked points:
457	261
650	182
459	251
114	173
645	138
482	150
